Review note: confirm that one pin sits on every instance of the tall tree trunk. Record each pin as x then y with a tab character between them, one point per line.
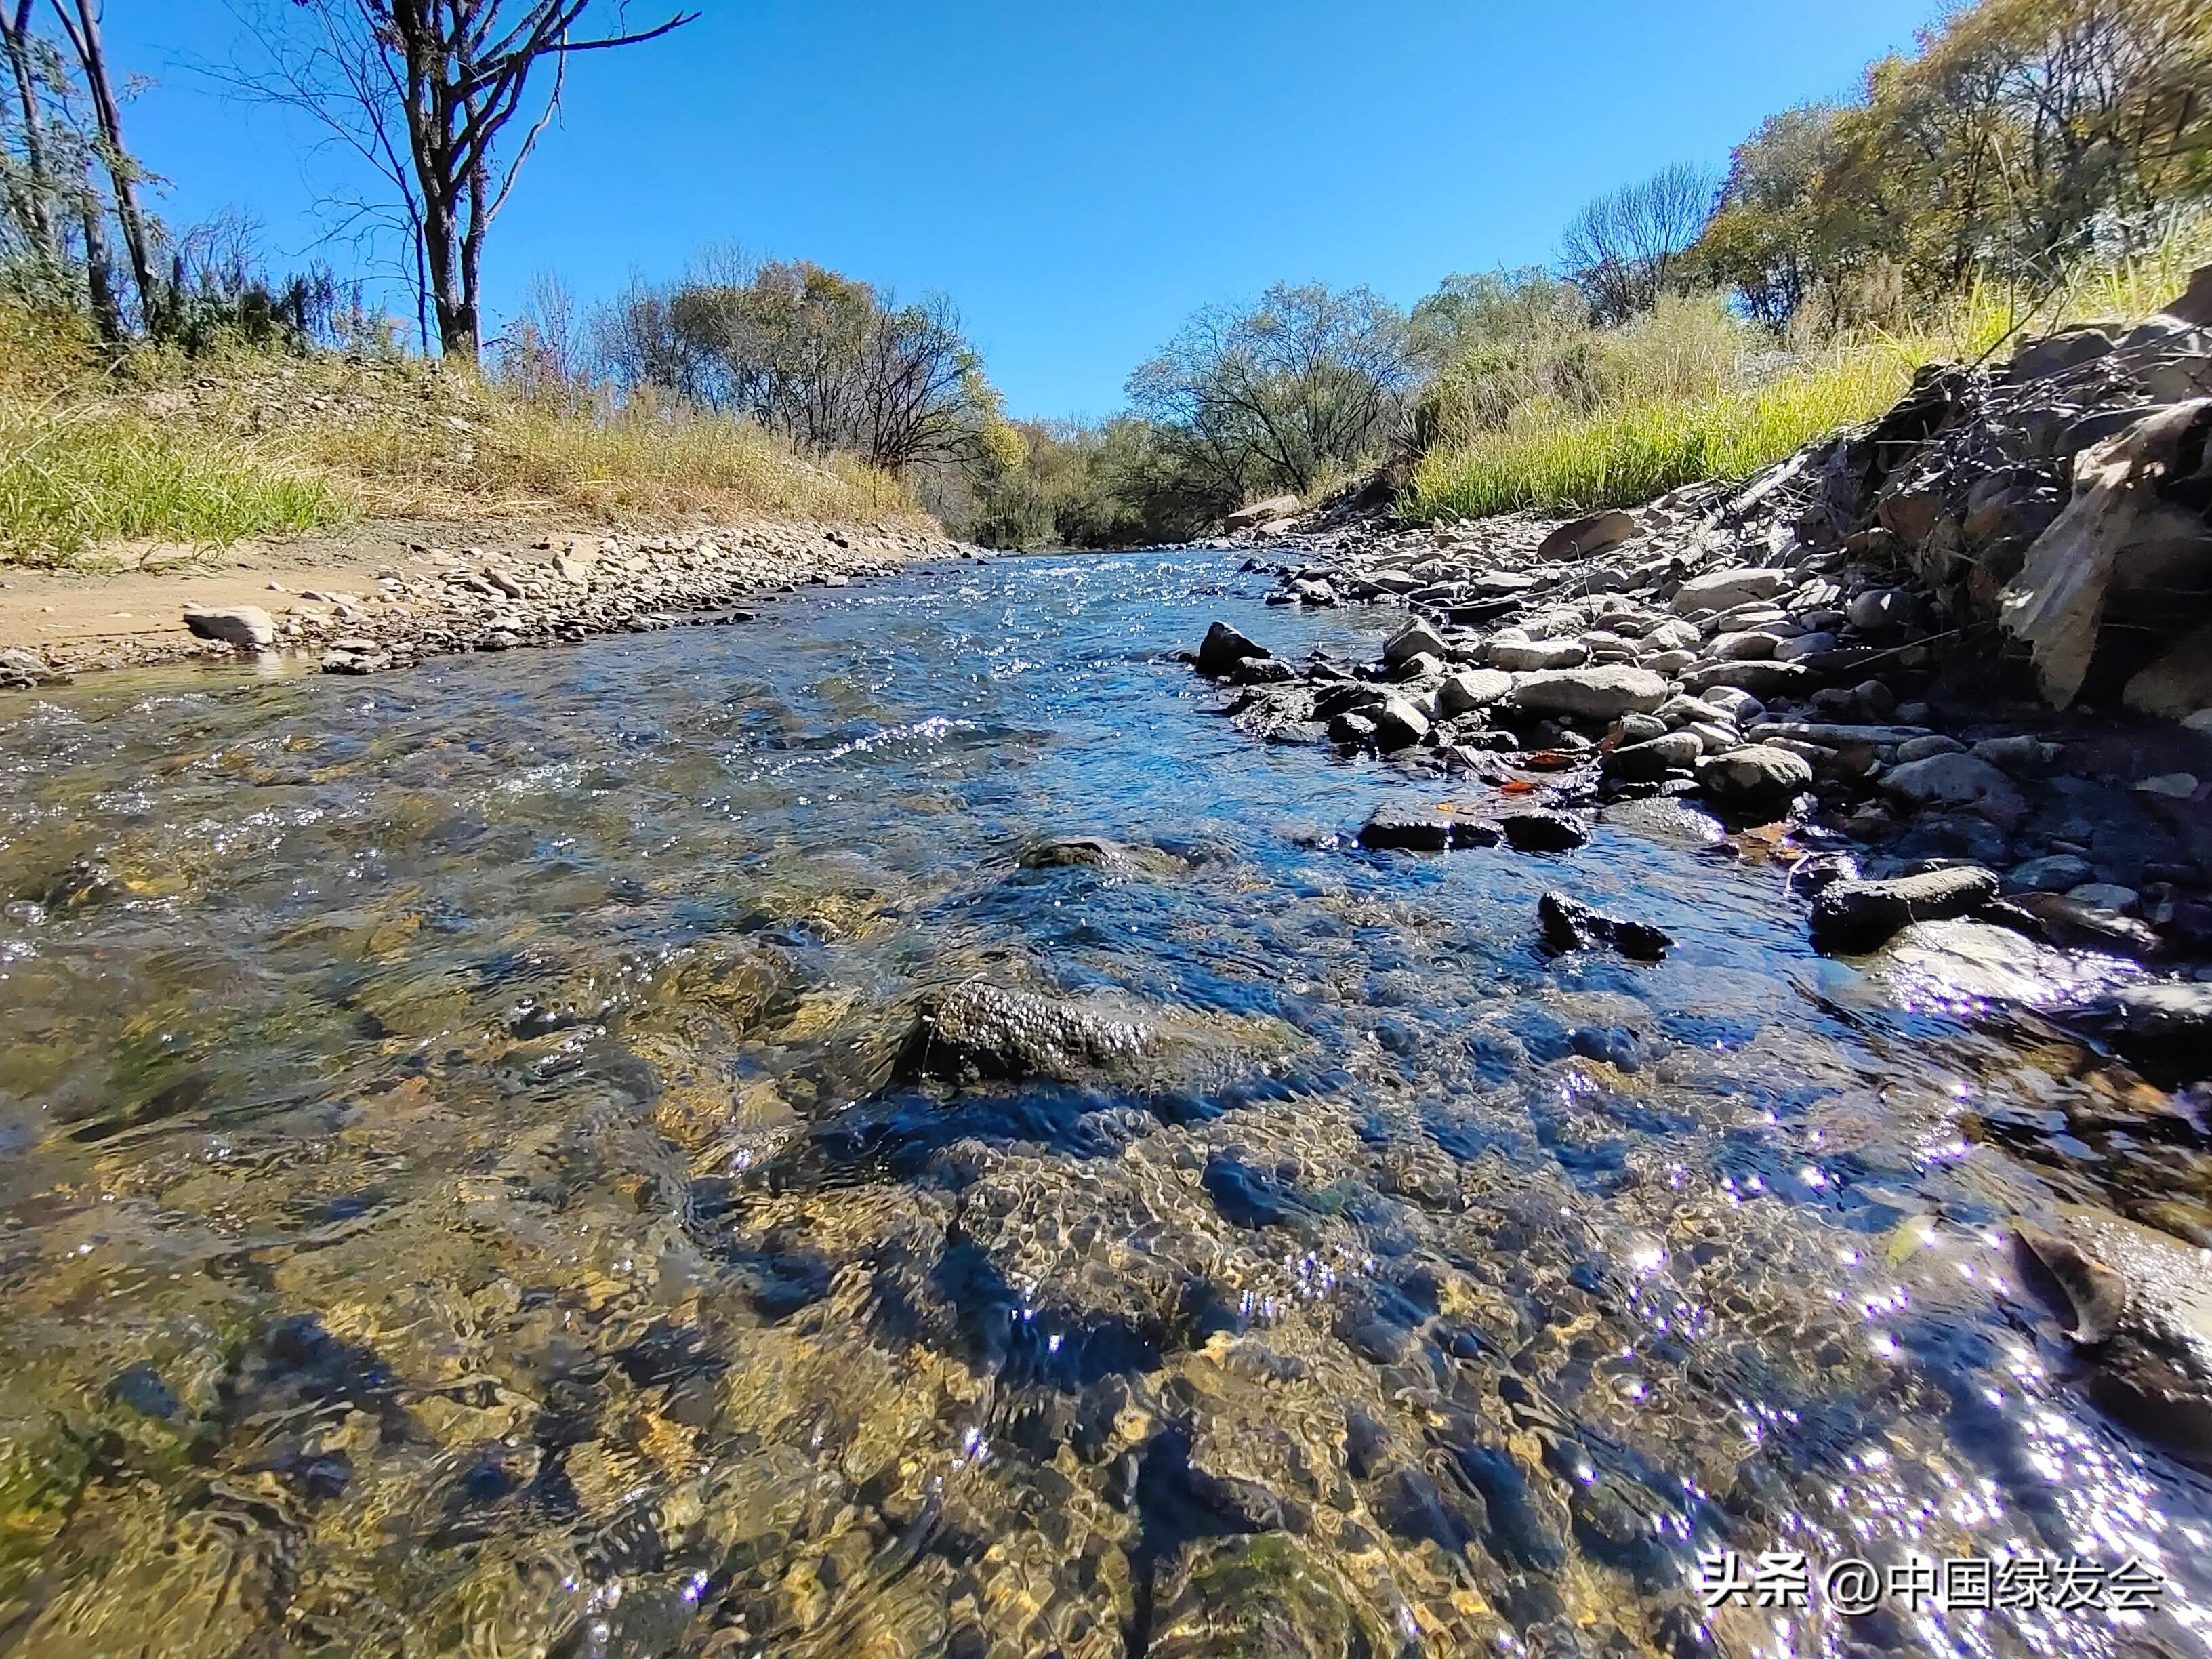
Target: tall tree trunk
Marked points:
107	314
36	206
83	31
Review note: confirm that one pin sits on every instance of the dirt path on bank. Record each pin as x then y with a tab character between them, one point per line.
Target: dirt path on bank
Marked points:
392	590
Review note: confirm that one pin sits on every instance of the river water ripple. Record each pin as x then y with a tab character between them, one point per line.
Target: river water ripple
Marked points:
455	1196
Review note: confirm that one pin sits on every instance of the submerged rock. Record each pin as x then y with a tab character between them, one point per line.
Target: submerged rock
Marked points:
2137	1307
977	1030
1097	852
2164	1026
1422	830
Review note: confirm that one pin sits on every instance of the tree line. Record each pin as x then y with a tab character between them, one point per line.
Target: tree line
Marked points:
2019	134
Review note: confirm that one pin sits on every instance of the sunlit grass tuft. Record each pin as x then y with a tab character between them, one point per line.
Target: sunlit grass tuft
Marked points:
1637	443
75	479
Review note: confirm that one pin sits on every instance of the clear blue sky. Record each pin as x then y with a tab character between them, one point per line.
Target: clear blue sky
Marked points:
1077	175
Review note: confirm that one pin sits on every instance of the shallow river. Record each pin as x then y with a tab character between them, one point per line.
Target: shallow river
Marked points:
459	1192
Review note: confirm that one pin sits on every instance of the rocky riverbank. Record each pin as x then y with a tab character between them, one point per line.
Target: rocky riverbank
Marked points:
1951	672
382	599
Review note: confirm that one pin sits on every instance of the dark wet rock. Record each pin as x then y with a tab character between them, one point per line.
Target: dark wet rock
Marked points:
1756	778
1542	832
977	1030
1398	725
1223	650
1423	830
1097	852
1352	728
1655	758
2059	872
2067	922
1571	925
1579	539
2136	1304
2165	1026
1603	693
1852	916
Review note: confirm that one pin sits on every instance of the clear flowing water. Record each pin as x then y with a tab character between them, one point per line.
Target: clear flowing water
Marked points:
456	1195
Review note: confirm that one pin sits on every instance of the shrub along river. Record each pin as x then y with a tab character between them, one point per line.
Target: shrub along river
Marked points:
469	1183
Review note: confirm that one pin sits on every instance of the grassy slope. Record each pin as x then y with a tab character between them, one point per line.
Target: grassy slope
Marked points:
207	452
1550	458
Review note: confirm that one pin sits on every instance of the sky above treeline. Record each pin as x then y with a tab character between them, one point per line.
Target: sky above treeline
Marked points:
1079	176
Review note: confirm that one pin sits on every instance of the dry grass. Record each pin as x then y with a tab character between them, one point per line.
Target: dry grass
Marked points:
95	451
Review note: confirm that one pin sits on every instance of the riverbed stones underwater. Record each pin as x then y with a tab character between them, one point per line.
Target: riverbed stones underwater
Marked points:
835	1138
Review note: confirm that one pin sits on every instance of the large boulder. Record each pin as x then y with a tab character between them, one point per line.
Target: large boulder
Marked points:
1604	693
1259	513
1860	915
1759	777
245	625
1223	649
1478	687
1965	781
2132	527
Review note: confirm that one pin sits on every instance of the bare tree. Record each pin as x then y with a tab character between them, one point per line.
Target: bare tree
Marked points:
1279	394
1624	249
425	91
34	193
80	21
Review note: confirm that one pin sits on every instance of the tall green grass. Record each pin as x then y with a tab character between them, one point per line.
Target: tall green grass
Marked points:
1555	460
1681	406
74	480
